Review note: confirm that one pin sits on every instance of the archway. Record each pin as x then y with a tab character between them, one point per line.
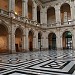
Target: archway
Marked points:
3	39
30	5
52	41
18	40
39	40
18	7
65	12
38	14
51	15
30	36
67	40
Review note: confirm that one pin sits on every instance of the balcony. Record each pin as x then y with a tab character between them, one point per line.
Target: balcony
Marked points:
34	23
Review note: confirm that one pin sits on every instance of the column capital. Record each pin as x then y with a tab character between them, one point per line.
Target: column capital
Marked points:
23	1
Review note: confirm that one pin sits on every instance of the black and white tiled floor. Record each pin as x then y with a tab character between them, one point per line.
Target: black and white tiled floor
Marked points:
52	62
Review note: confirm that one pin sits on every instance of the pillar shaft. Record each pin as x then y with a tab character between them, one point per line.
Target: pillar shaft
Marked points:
25	8
35	41
12	5
27	40
43	15
34	11
23	43
57	14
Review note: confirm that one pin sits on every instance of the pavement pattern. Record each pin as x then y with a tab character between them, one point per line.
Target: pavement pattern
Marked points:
47	62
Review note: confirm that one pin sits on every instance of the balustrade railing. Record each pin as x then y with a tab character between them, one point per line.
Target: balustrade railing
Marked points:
3	12
31	22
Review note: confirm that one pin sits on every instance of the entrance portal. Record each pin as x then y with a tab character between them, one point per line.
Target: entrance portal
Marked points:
67	40
30	40
52	41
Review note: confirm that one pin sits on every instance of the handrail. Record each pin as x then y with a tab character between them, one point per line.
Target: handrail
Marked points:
32	22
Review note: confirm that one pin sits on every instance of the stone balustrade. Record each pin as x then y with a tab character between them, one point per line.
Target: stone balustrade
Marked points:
34	23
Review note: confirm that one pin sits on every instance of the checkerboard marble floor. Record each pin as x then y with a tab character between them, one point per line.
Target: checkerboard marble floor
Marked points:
48	62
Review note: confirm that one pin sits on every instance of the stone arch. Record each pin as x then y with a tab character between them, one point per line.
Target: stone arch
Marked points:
67	40
65	30
4	38
5	25
52	40
21	28
18	39
65	12
51	15
50	6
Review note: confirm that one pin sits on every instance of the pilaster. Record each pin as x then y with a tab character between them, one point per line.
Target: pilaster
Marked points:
27	41
9	42
23	42
13	42
57	14
58	40
12	5
72	7
35	41
43	15
25	8
73	38
34	11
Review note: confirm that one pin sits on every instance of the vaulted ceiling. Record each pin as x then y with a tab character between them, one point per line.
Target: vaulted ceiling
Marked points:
45	1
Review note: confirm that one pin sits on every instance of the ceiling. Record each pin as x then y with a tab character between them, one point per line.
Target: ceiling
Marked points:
46	1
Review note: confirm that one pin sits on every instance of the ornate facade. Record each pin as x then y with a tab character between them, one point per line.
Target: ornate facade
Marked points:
29	25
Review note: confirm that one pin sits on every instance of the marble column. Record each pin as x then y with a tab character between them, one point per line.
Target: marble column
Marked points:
34	11
11	8
72	8
27	40
73	38
57	14
13	42
25	8
58	40
43	15
35	41
12	5
9	42
23	42
45	40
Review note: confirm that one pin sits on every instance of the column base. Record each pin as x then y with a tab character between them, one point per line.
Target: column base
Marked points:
25	50
13	51
34	49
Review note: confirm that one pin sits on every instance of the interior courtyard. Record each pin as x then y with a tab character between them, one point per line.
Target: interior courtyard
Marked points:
37	37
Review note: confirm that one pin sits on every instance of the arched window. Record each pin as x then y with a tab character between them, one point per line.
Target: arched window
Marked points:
51	15
65	13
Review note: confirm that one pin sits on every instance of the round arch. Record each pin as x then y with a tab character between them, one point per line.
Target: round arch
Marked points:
18	40
51	15
67	40
4	38
65	12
